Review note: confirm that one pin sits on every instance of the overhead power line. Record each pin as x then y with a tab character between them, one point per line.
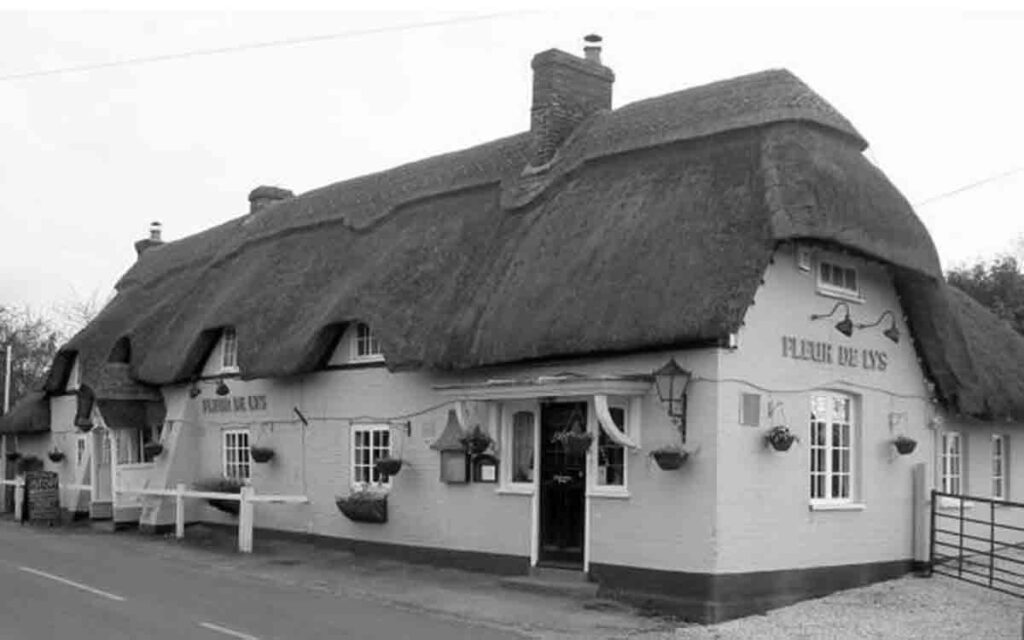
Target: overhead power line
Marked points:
287	42
968	187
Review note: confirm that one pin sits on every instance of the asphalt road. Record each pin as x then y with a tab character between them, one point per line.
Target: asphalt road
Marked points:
87	587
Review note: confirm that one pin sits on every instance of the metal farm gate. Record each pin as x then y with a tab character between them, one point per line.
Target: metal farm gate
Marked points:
978	540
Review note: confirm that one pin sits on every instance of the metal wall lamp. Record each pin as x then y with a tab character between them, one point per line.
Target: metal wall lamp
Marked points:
893	333
844	326
671	382
222	388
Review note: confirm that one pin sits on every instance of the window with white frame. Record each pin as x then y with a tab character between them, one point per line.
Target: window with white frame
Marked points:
952	463
832	448
236	454
80	450
229	350
369	444
365	346
611	456
838	279
999	457
519	433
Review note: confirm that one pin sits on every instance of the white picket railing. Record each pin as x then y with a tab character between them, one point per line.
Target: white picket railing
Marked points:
246	498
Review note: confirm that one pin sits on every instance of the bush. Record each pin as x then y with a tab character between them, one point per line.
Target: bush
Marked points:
28	464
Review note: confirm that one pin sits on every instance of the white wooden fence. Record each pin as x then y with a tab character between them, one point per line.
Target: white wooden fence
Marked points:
246	499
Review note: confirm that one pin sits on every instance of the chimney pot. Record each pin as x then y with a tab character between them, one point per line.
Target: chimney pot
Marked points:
263	196
154	239
592	50
154	231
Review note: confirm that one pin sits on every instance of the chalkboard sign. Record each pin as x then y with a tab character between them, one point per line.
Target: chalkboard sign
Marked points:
42	496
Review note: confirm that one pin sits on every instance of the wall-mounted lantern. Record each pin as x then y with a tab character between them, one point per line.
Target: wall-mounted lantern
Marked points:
671	382
844	326
222	388
893	333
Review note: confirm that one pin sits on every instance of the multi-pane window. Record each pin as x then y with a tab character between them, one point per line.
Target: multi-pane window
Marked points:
367	347
999	467
229	349
80	450
831	448
369	444
611	456
236	454
952	463
838	278
522	446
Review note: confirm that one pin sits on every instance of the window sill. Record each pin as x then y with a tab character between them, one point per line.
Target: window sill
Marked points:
849	296
952	504
514	491
617	493
837	506
128	466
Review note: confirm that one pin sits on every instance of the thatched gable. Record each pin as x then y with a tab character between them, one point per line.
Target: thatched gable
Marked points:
652	228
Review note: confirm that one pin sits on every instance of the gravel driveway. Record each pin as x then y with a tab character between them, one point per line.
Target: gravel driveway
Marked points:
936	608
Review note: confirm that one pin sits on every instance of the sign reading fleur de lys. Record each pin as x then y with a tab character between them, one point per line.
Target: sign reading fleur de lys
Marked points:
828	353
235	404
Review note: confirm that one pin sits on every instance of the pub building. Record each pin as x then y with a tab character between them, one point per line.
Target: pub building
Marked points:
665	348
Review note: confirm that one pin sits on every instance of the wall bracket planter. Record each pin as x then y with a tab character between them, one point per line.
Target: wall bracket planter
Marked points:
781	438
152	449
363	506
477	441
261	454
669	459
575	443
56	455
904	445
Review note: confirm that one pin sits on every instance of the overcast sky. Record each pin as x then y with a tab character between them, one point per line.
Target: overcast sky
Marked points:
89	158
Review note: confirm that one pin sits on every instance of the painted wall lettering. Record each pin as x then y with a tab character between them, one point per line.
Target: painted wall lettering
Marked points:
827	353
235	404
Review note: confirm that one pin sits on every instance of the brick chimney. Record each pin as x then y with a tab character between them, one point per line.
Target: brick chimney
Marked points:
263	196
566	90
154	239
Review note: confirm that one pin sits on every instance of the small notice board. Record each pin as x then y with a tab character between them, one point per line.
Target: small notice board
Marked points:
42	497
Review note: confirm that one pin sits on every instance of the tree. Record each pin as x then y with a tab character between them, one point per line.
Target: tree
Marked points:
34	340
998	285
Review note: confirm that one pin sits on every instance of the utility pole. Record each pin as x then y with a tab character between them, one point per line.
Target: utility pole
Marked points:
7	380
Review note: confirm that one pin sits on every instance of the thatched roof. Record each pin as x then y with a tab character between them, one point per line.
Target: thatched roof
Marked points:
975	358
30	415
652	228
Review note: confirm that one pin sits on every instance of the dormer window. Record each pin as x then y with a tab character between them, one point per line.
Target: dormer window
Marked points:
366	347
229	350
838	281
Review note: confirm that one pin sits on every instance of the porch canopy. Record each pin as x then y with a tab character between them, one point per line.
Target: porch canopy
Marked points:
123	402
30	415
598	387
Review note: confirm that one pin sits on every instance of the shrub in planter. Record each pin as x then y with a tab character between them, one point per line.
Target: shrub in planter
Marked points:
669	458
904	444
781	438
388	466
477	441
222	485
364	505
152	449
261	454
55	455
575	443
28	464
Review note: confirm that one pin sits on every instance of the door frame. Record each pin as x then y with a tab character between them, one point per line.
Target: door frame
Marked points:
589	426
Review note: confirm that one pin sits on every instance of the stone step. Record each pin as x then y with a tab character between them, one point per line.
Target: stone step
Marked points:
549	581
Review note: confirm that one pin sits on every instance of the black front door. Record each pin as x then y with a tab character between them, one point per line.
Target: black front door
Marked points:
563	481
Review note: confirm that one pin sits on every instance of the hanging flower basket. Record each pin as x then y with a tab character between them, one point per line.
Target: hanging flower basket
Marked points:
152	449
84	425
56	455
781	438
364	506
477	441
261	454
905	445
388	466
575	443
222	485
669	458
13	455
